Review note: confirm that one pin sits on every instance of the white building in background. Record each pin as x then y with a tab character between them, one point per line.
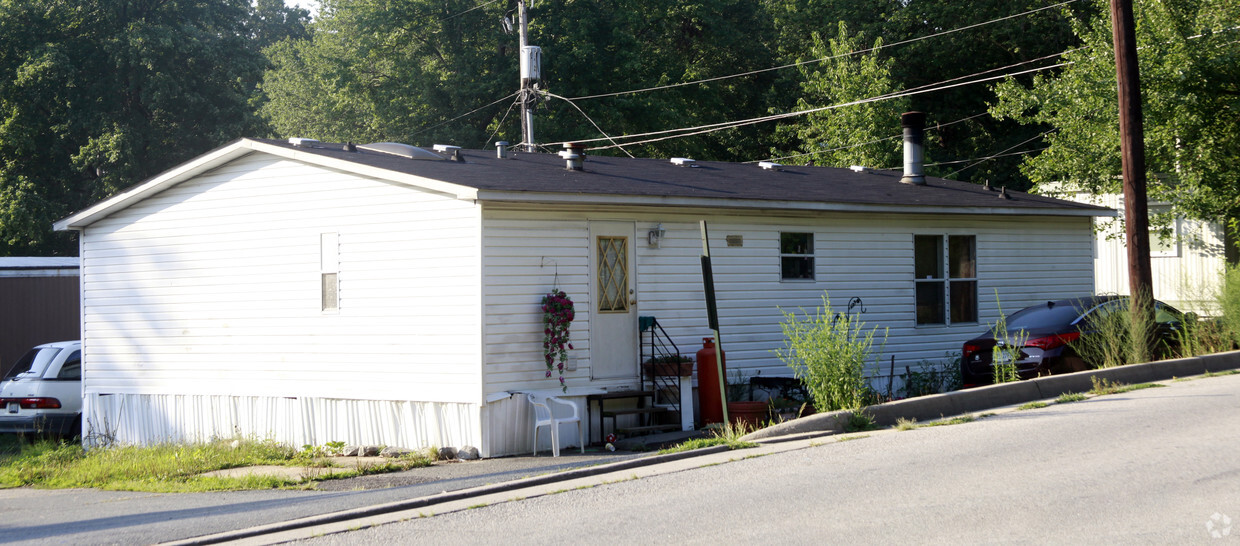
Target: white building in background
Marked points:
1187	257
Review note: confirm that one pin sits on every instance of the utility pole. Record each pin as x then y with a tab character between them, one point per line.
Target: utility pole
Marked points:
1132	150
530	73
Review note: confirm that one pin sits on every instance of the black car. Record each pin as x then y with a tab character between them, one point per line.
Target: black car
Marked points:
1048	330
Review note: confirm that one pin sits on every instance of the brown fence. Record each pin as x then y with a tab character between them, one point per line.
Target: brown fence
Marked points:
36	310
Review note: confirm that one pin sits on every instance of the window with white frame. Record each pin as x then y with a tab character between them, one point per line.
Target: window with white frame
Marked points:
1164	231
329	270
945	278
796	256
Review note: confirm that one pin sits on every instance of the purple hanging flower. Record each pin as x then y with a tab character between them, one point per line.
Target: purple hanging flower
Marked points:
558	315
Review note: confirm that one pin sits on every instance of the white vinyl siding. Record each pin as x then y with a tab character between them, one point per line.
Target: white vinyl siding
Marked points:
1025	260
214	287
1186	272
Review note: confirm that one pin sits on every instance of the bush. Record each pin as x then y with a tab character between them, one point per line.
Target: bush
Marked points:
829	351
932	377
1229	304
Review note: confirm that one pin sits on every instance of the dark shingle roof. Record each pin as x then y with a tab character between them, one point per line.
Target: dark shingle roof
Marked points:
615	176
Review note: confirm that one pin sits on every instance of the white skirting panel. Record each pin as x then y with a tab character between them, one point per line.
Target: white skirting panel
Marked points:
509	426
147	419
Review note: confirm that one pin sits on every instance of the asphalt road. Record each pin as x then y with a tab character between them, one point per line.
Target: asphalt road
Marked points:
88	516
1150	466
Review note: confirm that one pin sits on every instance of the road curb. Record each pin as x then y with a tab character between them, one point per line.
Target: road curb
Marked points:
922	408
949	404
447	496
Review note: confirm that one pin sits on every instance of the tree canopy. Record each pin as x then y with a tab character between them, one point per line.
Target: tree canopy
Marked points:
101	94
860	134
97	95
1189	63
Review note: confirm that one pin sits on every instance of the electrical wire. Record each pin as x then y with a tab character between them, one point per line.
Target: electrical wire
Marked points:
702	129
469	113
990	157
600	129
812	61
987	158
499	125
479	6
860	144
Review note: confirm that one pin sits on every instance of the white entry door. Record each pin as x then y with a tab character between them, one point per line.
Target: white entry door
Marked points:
613	317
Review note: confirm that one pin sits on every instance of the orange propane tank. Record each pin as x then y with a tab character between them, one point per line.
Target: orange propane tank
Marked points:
710	401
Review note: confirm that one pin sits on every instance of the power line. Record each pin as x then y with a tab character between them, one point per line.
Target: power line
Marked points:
987	158
479	6
860	144
800	63
583	114
702	129
990	157
469	113
499	125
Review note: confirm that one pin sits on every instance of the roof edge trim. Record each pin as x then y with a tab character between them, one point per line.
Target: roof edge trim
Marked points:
631	200
235	150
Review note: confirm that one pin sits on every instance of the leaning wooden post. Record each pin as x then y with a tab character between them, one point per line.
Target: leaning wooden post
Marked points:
712	316
1132	153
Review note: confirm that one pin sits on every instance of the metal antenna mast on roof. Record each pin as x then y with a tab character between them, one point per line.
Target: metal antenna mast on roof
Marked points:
531	73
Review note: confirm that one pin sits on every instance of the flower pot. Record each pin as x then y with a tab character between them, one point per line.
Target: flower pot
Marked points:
750	414
666	369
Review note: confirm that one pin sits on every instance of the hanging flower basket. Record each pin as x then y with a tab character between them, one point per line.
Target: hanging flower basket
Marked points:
558	315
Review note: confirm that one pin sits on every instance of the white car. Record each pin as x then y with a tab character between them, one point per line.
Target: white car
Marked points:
42	394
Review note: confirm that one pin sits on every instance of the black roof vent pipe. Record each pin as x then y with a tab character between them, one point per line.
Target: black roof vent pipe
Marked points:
914	150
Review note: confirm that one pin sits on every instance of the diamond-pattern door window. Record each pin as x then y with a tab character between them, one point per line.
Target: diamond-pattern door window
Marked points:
613	274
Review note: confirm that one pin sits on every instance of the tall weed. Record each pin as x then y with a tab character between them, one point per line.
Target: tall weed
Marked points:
1007	350
829	352
1229	304
1111	339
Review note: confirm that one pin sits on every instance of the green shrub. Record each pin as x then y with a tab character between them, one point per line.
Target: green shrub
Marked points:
931	377
829	352
1229	305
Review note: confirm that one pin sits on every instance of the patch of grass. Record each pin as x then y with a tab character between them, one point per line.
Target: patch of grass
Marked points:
852	437
1224	372
1070	397
1032	405
165	468
860	421
1102	386
953	421
906	424
727	435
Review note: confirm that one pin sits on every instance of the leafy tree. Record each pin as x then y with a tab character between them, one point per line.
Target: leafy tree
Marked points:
271	21
385	70
1002	43
1188	57
100	94
404	69
851	135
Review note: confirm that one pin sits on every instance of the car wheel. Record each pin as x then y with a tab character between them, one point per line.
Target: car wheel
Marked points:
1071	363
75	430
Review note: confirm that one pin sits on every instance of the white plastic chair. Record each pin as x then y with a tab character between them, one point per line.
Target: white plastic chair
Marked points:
545	417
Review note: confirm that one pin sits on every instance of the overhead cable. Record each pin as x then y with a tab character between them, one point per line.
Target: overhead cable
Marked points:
812	61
